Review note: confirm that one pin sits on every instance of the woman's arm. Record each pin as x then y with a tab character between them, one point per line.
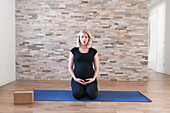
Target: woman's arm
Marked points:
96	65
70	65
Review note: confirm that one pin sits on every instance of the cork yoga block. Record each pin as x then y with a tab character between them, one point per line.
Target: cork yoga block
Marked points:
23	97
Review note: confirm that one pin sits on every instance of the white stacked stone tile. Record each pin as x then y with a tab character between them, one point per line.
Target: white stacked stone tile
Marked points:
46	31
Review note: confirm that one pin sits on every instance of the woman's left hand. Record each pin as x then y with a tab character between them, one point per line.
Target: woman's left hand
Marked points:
89	80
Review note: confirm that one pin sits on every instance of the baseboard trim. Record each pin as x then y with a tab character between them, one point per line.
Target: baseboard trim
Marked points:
7	81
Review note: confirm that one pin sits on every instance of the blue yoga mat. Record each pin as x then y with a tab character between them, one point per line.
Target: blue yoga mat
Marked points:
107	96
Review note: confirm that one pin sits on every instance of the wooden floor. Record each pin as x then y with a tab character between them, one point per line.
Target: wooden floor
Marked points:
157	89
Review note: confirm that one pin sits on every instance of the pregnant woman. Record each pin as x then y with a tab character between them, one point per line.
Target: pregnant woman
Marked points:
84	79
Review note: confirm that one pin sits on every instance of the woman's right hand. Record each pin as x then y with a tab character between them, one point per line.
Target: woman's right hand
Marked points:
81	81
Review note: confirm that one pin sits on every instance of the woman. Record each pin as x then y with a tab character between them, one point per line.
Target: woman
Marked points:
84	79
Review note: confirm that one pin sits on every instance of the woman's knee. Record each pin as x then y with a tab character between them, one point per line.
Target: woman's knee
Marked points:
92	95
77	95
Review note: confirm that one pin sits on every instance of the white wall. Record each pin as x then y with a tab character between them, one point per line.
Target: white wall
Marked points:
152	49
167	38
159	25
7	41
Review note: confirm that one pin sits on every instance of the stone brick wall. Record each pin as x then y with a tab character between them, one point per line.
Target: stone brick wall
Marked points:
46	30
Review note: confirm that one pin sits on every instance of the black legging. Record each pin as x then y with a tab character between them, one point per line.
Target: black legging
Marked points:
78	90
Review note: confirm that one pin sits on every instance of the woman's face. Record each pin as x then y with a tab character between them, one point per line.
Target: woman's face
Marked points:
84	38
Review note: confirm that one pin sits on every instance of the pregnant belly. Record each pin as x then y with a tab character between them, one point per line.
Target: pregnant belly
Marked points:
84	73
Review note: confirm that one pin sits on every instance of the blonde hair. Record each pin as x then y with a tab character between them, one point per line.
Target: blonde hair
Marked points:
89	40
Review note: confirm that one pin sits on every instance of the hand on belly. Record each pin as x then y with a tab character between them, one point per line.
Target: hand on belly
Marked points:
89	80
84	82
81	81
